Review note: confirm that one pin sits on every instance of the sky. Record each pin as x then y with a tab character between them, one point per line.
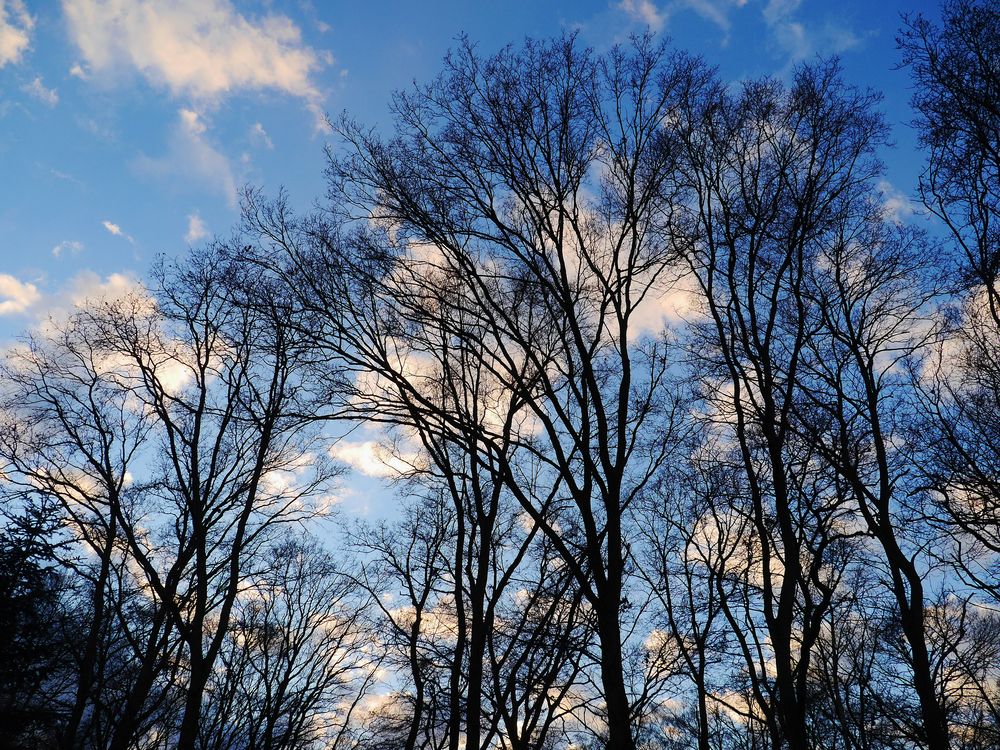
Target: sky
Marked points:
128	127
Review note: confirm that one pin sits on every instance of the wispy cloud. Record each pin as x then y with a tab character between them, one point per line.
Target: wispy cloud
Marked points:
41	92
896	204
794	38
714	11
15	31
196	229
68	247
799	41
97	129
191	156
116	230
644	12
656	17
259	135
372	458
59	174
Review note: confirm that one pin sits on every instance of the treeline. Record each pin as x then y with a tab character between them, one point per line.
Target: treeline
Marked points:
773	523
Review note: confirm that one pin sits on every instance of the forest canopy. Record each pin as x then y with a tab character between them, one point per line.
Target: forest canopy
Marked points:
696	444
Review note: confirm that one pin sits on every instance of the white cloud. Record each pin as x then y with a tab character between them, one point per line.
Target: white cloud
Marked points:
777	10
371	458
259	135
897	205
191	157
196	229
67	247
643	11
16	296
116	230
656	17
41	92
204	49
675	305
800	42
795	39
65	176
716	11
46	309
15	31
191	121
87	287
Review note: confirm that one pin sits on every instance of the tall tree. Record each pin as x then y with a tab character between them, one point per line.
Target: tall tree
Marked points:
771	176
956	71
955	68
534	182
164	426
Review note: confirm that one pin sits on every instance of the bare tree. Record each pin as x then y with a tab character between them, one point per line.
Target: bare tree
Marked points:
404	566
954	67
771	175
70	437
769	524
693	546
957	89
956	79
296	664
537	178
161	426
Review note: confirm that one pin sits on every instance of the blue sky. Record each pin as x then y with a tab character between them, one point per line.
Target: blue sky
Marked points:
127	126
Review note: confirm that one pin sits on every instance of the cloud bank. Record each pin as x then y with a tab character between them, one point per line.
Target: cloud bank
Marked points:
204	49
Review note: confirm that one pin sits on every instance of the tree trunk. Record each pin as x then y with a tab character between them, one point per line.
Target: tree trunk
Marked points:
123	736
191	721
85	684
912	619
477	643
619	712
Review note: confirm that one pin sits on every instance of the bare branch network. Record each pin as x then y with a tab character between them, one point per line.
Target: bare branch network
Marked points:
695	444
